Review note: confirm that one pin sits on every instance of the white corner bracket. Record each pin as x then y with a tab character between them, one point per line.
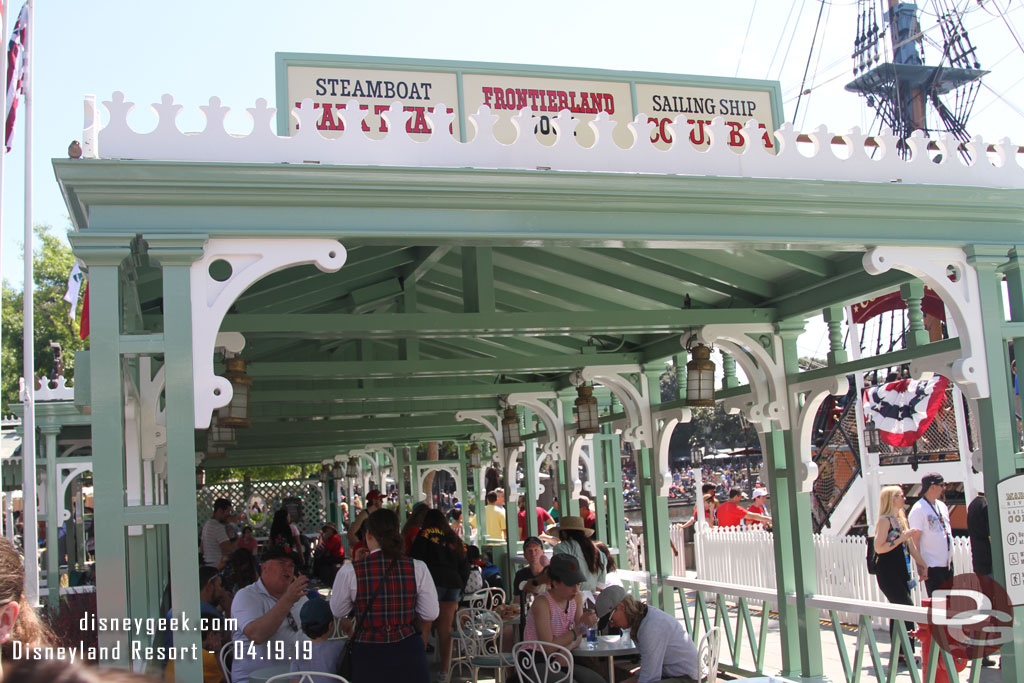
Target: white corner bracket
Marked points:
749	345
814	393
635	400
947	271
249	260
554	443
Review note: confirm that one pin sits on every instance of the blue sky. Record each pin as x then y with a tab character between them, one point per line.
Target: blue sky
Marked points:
194	50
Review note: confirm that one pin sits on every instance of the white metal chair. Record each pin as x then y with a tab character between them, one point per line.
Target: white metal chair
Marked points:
305	677
707	654
486	598
480	634
222	657
534	664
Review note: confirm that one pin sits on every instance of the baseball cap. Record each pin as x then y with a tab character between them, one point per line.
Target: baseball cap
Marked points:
532	539
315	612
931	479
373	495
758	492
608	600
276	552
565	569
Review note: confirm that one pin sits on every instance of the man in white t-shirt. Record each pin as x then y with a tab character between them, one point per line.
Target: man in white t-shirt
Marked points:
216	544
930	516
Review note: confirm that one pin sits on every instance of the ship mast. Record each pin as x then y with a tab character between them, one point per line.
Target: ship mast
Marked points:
902	89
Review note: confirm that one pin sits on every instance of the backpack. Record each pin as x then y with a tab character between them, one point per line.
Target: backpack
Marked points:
872	558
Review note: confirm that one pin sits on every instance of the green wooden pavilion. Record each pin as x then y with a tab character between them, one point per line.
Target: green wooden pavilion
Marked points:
402	285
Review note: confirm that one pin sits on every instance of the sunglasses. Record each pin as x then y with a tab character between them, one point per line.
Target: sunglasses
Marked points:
291	622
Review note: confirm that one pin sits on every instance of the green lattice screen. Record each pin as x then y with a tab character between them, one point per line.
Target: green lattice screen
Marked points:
268	496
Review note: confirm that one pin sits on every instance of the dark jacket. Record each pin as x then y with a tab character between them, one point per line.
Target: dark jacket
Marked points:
448	567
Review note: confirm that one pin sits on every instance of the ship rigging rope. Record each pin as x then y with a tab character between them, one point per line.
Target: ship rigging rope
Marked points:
743	48
782	36
810	54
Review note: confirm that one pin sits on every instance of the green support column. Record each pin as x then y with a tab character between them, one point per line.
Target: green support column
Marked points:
798	559
834	319
103	255
176	258
53	520
913	294
465	474
995	415
600	486
403	457
782	511
480	503
729	379
529	492
657	550
607	450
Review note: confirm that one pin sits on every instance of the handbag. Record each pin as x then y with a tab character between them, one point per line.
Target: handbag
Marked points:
345	665
872	557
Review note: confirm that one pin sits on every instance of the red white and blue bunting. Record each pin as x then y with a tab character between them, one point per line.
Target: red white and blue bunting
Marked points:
903	410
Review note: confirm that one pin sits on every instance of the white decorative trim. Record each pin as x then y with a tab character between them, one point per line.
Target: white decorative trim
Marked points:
425	468
490	419
576	454
67	474
440	149
250	260
962	299
814	393
635	401
62	392
370	456
666	421
554	442
764	370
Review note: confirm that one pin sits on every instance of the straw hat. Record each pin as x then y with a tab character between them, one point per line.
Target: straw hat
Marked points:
570	523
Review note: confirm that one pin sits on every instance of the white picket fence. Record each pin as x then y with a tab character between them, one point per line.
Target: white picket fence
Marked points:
746	557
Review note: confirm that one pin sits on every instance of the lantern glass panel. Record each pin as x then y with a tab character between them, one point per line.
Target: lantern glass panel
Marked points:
510	428
586	411
352	469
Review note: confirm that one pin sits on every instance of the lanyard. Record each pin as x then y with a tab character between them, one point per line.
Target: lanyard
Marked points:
942	521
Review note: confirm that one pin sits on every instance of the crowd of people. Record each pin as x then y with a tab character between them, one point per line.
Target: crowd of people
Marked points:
395	586
724	476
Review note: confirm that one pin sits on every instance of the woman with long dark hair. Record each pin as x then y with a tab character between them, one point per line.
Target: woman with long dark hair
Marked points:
574	540
387	591
281	532
895	545
18	621
442	551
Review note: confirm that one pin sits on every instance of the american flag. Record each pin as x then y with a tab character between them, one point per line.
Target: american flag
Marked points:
15	71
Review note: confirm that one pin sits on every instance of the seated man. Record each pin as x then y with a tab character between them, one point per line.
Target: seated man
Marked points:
268	614
666	651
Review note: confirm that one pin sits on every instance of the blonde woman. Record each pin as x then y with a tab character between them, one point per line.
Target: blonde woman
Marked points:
895	545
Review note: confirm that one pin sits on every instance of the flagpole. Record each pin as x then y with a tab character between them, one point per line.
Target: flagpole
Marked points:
28	443
4	9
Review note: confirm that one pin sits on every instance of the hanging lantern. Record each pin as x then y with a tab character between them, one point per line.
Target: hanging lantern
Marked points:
236	413
352	469
325	473
586	411
510	428
200	476
336	471
700	377
221	433
474	456
213	448
871	437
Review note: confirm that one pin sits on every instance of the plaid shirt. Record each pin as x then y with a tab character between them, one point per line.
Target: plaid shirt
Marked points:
393	615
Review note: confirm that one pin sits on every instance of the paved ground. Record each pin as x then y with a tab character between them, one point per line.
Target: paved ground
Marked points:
833	664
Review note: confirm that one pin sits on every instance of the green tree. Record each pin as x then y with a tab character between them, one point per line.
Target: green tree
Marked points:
52	261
